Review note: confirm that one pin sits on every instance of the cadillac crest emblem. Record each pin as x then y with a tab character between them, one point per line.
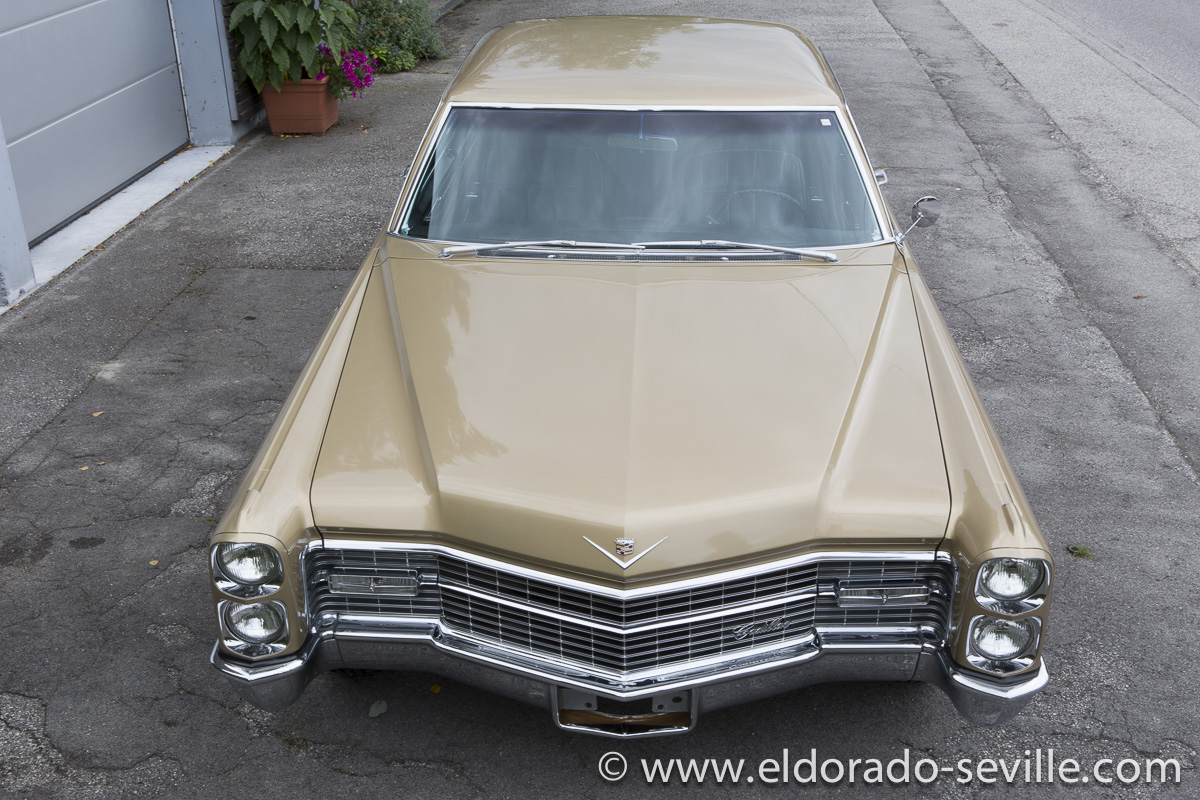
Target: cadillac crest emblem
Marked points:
624	547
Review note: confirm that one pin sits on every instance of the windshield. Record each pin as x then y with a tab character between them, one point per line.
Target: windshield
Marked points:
784	178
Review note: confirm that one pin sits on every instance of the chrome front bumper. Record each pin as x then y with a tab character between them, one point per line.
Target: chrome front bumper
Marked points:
431	648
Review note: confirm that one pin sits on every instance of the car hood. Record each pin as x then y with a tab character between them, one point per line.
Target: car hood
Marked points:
717	413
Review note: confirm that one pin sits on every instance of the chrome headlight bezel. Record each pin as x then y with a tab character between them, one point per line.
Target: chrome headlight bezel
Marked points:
1021	604
1021	660
267	585
244	646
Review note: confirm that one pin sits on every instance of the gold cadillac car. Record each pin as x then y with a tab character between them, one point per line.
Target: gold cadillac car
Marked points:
638	408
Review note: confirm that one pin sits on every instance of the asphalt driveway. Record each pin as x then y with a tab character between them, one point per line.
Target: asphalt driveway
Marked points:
136	388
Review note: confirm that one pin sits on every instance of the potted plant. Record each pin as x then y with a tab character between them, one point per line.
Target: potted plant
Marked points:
298	56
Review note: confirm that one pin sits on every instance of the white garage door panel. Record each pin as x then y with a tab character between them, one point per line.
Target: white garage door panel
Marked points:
99	49
83	157
101	108
18	12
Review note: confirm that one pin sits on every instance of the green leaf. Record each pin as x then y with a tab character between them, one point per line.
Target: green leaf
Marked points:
282	59
288	37
306	48
337	43
377	708
305	17
251	36
285	14
270	28
239	11
275	76
324	18
253	68
259	7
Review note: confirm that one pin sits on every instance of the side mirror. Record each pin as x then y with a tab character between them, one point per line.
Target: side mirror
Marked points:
926	211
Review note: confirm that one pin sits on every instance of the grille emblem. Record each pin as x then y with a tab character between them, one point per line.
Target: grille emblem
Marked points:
752	629
624	547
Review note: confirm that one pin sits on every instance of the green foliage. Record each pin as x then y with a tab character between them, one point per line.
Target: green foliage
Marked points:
390	60
397	32
279	38
1081	551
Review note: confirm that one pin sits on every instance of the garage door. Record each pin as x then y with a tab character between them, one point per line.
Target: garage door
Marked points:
90	99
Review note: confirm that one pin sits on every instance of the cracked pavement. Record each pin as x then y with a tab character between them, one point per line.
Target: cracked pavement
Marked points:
137	387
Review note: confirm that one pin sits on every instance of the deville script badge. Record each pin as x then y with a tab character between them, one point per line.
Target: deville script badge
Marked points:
624	547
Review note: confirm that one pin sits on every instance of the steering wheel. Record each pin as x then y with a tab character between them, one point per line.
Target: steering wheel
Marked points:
725	200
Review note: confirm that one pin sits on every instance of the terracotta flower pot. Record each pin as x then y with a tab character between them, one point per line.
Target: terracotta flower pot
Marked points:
304	106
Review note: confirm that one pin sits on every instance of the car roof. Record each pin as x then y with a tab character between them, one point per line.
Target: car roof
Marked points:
646	61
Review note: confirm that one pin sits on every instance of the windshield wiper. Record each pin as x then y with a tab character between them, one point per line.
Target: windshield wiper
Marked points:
824	255
483	248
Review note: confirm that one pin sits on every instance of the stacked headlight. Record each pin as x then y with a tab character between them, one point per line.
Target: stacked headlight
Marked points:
250	571
246	569
1008	587
253	629
257	623
1012	585
1003	639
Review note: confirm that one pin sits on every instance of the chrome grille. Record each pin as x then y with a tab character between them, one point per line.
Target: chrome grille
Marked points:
674	643
774	608
318	564
634	611
939	576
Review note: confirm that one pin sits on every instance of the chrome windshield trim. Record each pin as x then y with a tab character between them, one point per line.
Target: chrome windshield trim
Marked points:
335	542
409	190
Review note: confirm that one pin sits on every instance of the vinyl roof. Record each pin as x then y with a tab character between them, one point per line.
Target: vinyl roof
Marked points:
645	62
